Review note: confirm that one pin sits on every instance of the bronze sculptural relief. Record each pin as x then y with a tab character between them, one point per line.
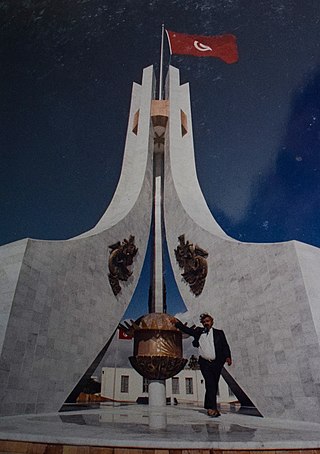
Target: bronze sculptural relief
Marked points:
192	259
157	367
121	257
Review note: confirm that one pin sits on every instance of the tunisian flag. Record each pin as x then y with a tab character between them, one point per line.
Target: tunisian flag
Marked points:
123	334
222	46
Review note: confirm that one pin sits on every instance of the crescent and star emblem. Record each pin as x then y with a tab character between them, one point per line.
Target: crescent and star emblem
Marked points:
201	47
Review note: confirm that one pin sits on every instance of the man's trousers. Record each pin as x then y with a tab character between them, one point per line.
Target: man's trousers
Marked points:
211	371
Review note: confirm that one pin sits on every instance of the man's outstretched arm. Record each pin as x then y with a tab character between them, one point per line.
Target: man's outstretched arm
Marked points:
184	328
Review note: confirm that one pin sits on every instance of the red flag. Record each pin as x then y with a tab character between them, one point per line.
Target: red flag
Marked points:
223	46
123	334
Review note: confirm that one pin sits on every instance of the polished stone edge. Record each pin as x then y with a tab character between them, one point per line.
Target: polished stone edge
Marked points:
274	447
108	440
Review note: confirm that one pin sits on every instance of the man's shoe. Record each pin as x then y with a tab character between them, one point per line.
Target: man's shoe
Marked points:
213	413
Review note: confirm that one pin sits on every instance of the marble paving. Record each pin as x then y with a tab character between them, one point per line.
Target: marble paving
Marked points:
172	427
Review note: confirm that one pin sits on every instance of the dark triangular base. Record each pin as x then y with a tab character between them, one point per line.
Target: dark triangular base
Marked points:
247	406
71	399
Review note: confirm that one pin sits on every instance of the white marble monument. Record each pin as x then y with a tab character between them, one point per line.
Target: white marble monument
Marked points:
58	309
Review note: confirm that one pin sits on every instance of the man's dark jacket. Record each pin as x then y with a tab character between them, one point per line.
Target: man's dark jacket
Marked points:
220	342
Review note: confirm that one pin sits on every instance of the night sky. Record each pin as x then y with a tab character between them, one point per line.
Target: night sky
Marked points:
66	75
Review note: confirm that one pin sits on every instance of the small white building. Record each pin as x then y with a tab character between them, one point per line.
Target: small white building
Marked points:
126	385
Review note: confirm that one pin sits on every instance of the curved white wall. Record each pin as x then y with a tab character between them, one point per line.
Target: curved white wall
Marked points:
263	296
62	311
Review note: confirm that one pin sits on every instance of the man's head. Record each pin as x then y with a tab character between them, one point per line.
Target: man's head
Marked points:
206	320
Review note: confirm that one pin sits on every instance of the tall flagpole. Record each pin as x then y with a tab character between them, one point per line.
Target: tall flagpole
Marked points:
157	387
161	63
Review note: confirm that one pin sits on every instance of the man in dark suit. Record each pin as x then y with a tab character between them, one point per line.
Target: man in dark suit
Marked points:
214	352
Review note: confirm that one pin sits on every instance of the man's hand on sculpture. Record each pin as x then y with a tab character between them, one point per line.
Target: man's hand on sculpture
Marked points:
229	361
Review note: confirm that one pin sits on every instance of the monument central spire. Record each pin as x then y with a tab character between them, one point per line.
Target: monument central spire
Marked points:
157	343
159	117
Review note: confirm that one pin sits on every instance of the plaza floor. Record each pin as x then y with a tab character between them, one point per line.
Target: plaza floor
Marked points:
171	427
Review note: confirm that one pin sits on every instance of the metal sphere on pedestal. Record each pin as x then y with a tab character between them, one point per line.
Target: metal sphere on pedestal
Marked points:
157	347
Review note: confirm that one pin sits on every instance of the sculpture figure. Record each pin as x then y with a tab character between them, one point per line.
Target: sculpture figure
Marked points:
193	261
121	257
